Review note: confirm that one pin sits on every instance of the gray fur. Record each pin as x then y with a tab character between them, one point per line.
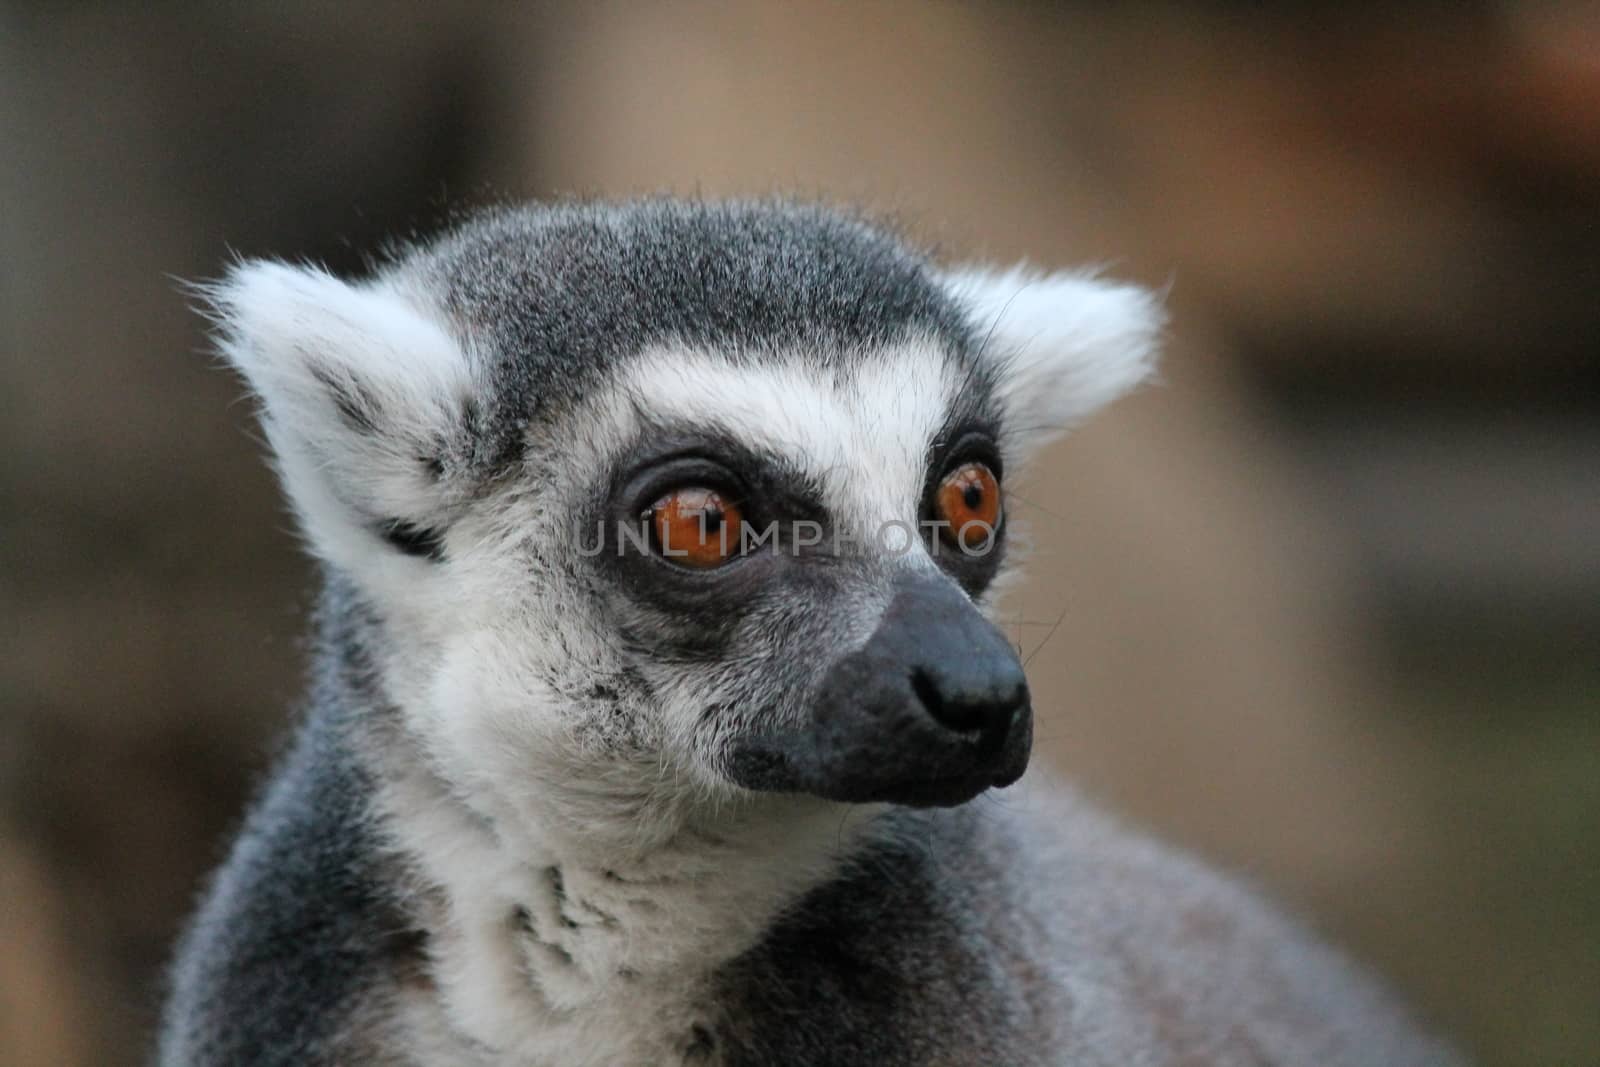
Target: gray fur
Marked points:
507	832
299	930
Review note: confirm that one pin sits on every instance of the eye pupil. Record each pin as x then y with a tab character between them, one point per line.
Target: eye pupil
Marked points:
972	496
695	527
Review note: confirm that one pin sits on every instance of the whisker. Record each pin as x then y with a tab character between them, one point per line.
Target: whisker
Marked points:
1059	619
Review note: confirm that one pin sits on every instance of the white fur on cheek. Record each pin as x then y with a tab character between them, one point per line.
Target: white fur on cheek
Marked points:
1066	343
582	905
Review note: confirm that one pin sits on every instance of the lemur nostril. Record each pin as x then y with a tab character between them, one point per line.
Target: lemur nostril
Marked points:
927	691
970	707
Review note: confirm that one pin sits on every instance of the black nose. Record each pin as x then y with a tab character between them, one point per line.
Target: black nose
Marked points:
932	710
970	689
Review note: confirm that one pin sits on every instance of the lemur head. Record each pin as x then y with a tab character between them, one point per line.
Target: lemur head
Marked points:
669	500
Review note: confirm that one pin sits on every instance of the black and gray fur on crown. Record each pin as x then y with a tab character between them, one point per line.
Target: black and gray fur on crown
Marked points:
564	293
555	297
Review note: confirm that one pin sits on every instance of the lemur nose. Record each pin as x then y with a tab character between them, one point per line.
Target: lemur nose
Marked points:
963	670
932	710
962	673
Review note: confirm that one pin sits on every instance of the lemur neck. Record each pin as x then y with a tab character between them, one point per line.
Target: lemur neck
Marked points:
538	940
588	916
613	903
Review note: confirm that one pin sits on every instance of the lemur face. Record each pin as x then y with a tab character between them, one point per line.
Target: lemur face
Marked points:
671	501
794	550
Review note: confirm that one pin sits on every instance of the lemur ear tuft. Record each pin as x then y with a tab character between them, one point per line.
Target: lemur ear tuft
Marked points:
1063	345
364	398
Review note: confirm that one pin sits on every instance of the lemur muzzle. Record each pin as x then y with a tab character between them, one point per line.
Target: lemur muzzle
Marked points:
931	711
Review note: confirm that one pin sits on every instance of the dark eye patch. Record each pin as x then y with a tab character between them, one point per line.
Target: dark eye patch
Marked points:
767	487
679	612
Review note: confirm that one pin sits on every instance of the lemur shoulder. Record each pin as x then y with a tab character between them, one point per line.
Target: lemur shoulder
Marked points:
657	703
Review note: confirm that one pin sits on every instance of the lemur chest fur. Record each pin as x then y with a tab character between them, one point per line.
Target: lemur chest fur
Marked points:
545	951
568	975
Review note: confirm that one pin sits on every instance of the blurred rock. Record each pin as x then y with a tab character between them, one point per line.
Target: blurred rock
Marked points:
41	1004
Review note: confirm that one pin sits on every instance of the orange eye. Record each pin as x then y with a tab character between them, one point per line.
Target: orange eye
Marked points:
969	500
696	527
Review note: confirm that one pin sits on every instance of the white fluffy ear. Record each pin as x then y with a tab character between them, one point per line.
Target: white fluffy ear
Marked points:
364	401
1063	345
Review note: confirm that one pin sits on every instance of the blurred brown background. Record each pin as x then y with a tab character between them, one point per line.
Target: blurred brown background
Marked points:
1331	592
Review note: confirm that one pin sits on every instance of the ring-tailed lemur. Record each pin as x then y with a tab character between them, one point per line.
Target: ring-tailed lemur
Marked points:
655	676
